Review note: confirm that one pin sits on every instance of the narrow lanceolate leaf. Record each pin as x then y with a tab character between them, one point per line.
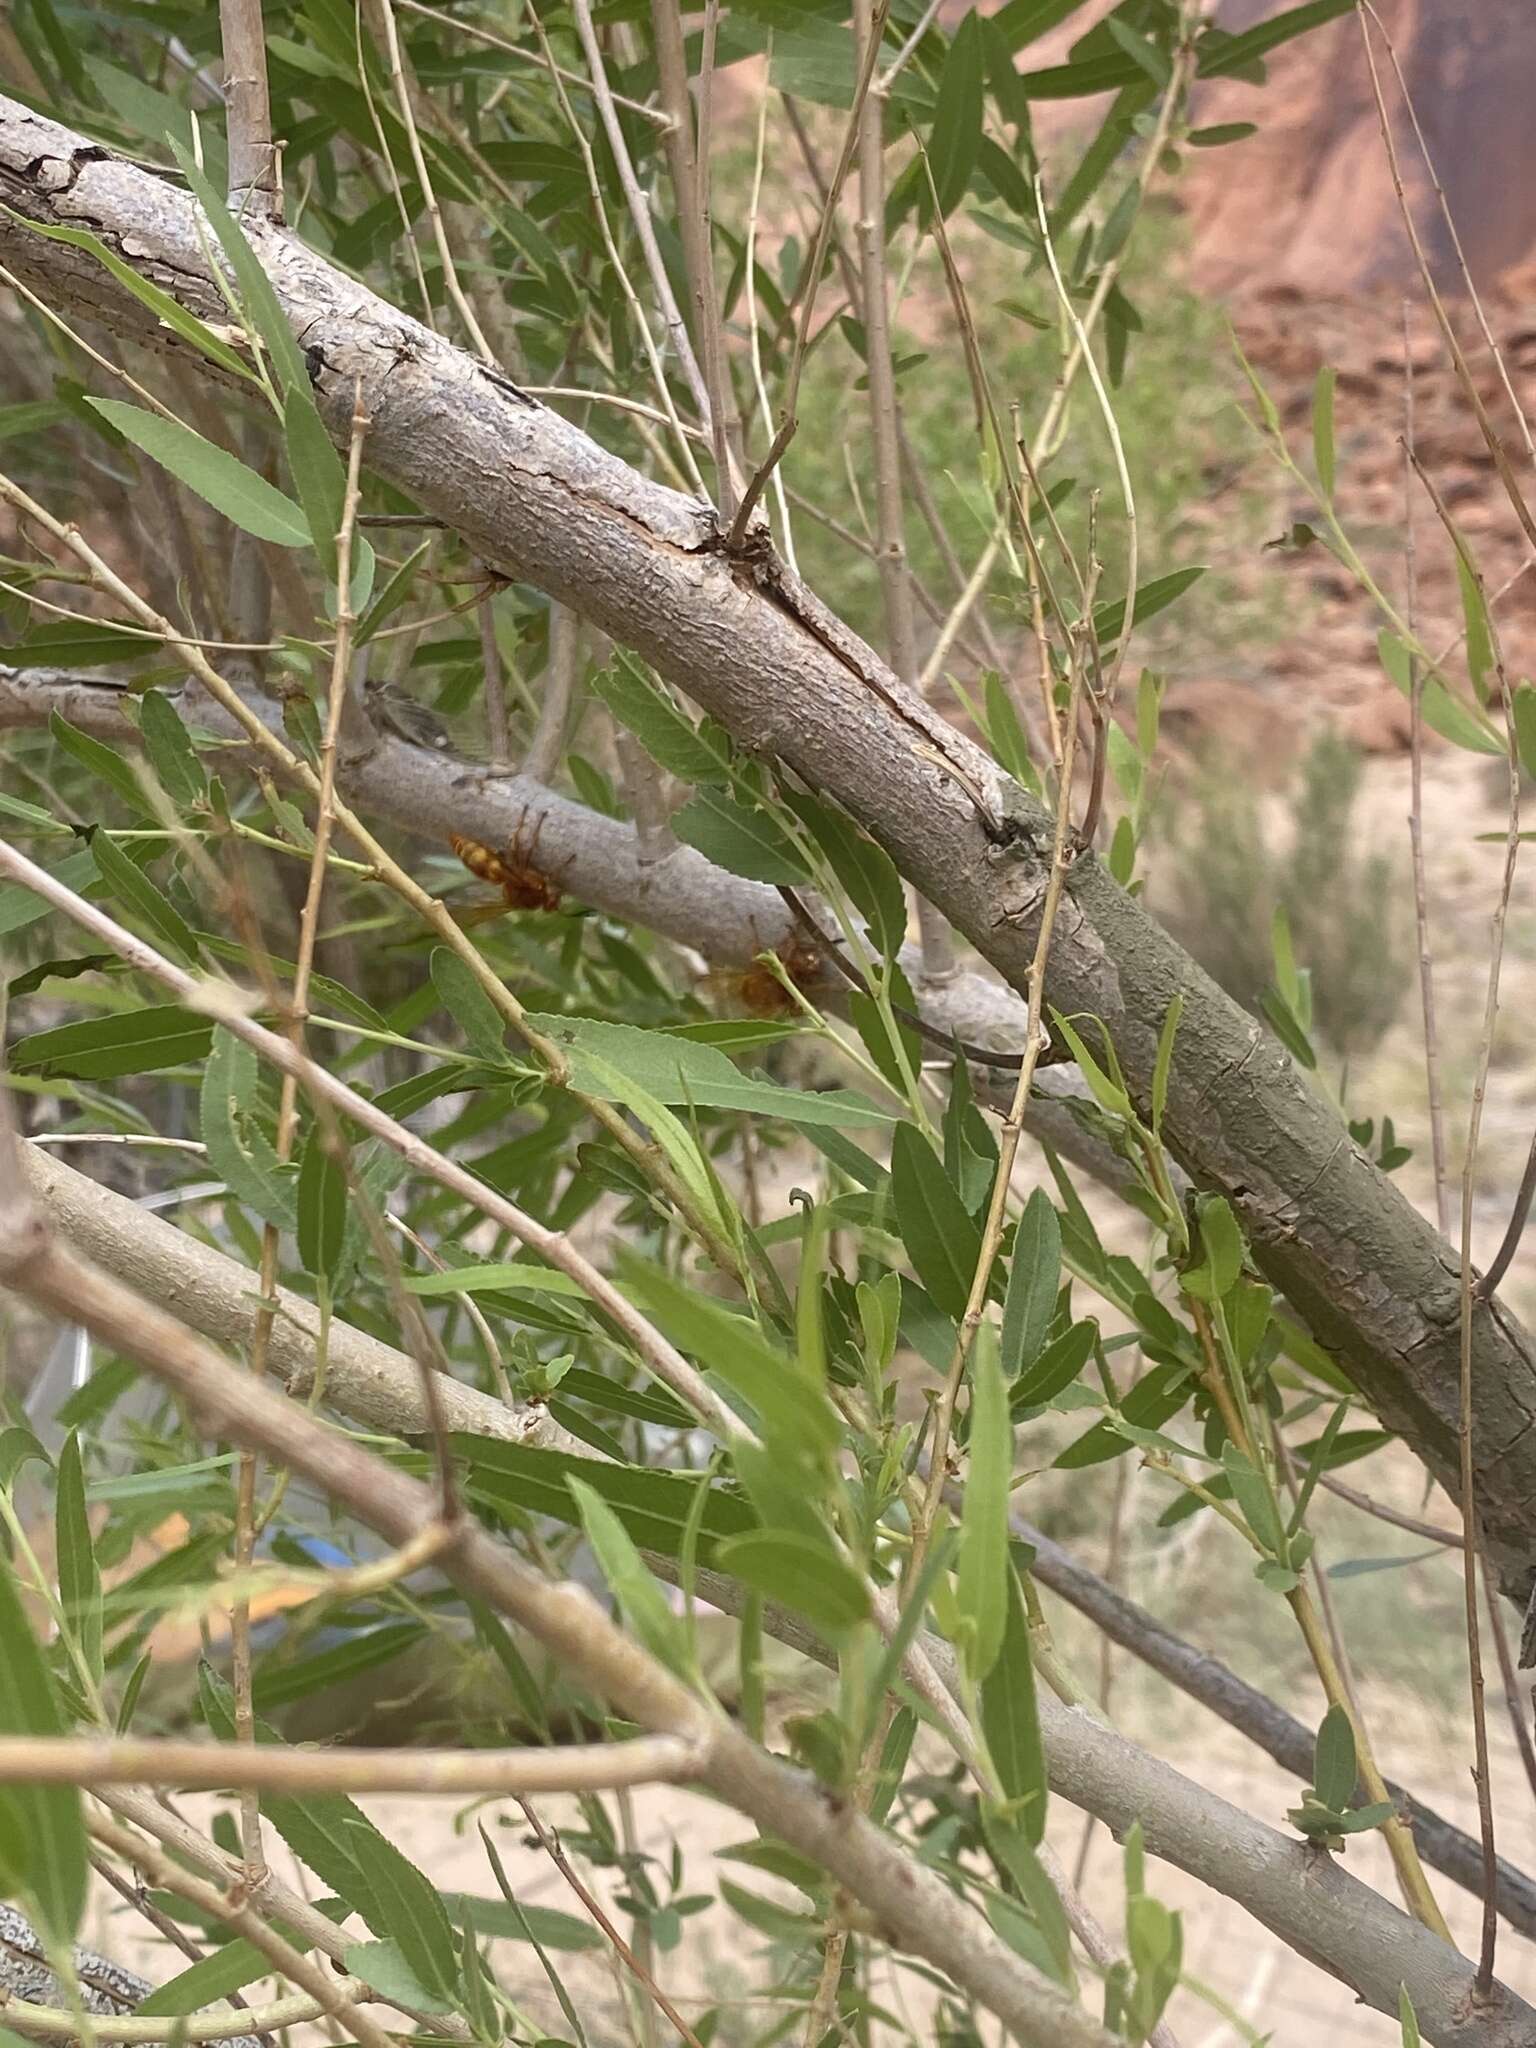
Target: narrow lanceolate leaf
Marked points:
1163	1068
143	899
789	1566
169	747
317	472
470	1007
957	122
254	288
1151	598
217	477
644	1604
104	762
1334	1763
1322	429
1057	1366
105	1048
941	1239
1441	712
1034	1280
1010	1721
742	837
1523	708
79	1578
239	1151
638	701
410	1910
322	1207
175	317
865	870
981	1578
42	1835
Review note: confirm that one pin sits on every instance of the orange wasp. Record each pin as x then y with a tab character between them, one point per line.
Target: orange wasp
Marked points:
758	992
523	884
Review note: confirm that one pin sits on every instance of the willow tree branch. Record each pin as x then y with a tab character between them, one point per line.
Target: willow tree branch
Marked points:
537	500
194	1849
1448	1848
211	1767
254	187
913	1905
104	1987
606	863
378	1388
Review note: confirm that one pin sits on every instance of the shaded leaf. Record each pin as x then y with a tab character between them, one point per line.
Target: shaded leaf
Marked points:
800	1572
743	838
217	477
105	1048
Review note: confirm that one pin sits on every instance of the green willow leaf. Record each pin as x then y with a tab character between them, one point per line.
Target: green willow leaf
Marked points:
318	474
941	1238
322	1207
1010	1721
641	704
144	898
1034	1281
983	1570
171	752
799	1572
741	837
957	122
1322	429
105	1048
79	1577
104	762
42	1834
217	477
255	293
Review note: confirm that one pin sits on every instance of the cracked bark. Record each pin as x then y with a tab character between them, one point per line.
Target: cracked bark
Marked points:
541	502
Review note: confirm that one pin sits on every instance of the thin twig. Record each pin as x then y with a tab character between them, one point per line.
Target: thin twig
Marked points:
495	691
463	25
306	1773
549	1842
1509	1678
253	182
383	14
1468	383
885	437
1417	677
1233	1405
810	278
1008	1140
639	209
660	1356
1468	1297
337	1998
1452	1539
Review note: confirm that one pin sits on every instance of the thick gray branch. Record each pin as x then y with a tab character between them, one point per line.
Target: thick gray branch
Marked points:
541	502
107	1990
1443	1846
1309	1902
601	861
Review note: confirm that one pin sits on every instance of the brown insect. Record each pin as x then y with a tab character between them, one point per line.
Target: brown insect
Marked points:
758	992
514	871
